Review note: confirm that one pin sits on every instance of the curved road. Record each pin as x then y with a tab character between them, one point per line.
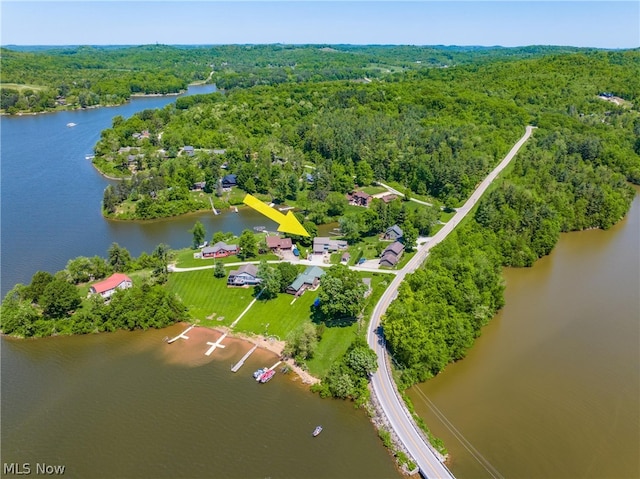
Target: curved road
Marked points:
383	386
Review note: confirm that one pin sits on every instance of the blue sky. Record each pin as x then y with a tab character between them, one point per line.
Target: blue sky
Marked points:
601	24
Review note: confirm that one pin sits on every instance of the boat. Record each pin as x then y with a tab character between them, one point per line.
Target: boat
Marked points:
317	431
71	125
258	373
267	375
259	228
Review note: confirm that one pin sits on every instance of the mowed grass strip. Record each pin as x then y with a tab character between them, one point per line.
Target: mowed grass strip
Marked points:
334	343
205	295
279	313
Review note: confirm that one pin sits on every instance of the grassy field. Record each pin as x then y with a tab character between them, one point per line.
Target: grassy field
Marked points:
206	295
20	87
279	314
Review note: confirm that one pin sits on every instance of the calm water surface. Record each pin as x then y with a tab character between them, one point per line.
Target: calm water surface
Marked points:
128	405
552	387
51	195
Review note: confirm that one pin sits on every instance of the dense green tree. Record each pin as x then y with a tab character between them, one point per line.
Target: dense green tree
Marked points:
119	257
248	245
219	271
270	284
341	293
302	342
59	299
288	274
39	282
199	234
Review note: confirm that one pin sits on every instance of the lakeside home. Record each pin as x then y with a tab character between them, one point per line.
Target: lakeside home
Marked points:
219	250
323	244
275	243
309	279
245	275
110	285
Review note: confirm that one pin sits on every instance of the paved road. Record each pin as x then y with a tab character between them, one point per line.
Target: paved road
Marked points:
384	388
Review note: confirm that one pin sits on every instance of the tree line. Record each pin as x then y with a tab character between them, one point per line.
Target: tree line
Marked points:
53	304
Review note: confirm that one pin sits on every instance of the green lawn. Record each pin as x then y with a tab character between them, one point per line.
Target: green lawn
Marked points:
281	316
373	190
334	343
21	87
205	295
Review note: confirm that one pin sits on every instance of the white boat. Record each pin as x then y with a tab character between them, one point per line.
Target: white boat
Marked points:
71	125
317	431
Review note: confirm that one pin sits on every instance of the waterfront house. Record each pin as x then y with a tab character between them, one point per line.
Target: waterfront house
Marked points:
359	198
219	250
245	275
110	285
309	279
394	233
323	244
230	180
391	254
275	243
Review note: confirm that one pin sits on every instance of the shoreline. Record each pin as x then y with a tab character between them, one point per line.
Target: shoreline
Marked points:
275	347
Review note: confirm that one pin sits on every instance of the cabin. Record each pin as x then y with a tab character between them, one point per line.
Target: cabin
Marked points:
245	275
345	258
188	150
219	250
359	198
393	233
323	244
229	180
309	279
110	285
275	243
388	198
198	186
391	254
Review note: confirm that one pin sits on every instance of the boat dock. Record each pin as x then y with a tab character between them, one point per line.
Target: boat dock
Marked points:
181	335
215	212
275	365
217	344
239	364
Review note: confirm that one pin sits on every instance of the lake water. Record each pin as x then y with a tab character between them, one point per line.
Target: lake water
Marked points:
552	387
128	404
51	195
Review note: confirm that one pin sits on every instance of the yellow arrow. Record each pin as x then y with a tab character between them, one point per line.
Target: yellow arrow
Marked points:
288	223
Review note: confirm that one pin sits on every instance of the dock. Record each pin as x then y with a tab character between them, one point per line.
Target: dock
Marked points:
275	365
217	344
182	335
244	358
215	212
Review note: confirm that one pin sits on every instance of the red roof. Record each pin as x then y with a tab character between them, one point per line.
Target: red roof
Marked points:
111	282
277	242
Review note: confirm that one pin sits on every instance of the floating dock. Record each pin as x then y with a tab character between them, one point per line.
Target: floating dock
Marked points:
244	358
217	344
215	212
275	365
181	335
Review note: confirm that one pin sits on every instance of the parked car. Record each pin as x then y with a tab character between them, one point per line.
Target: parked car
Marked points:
362	260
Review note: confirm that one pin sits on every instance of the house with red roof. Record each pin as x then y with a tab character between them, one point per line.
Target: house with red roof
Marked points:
110	285
275	243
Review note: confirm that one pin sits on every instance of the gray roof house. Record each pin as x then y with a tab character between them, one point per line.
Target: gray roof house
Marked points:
309	279
322	244
391	254
393	233
245	275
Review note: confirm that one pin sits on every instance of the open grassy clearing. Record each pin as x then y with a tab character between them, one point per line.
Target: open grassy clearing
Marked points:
208	298
281	316
20	87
